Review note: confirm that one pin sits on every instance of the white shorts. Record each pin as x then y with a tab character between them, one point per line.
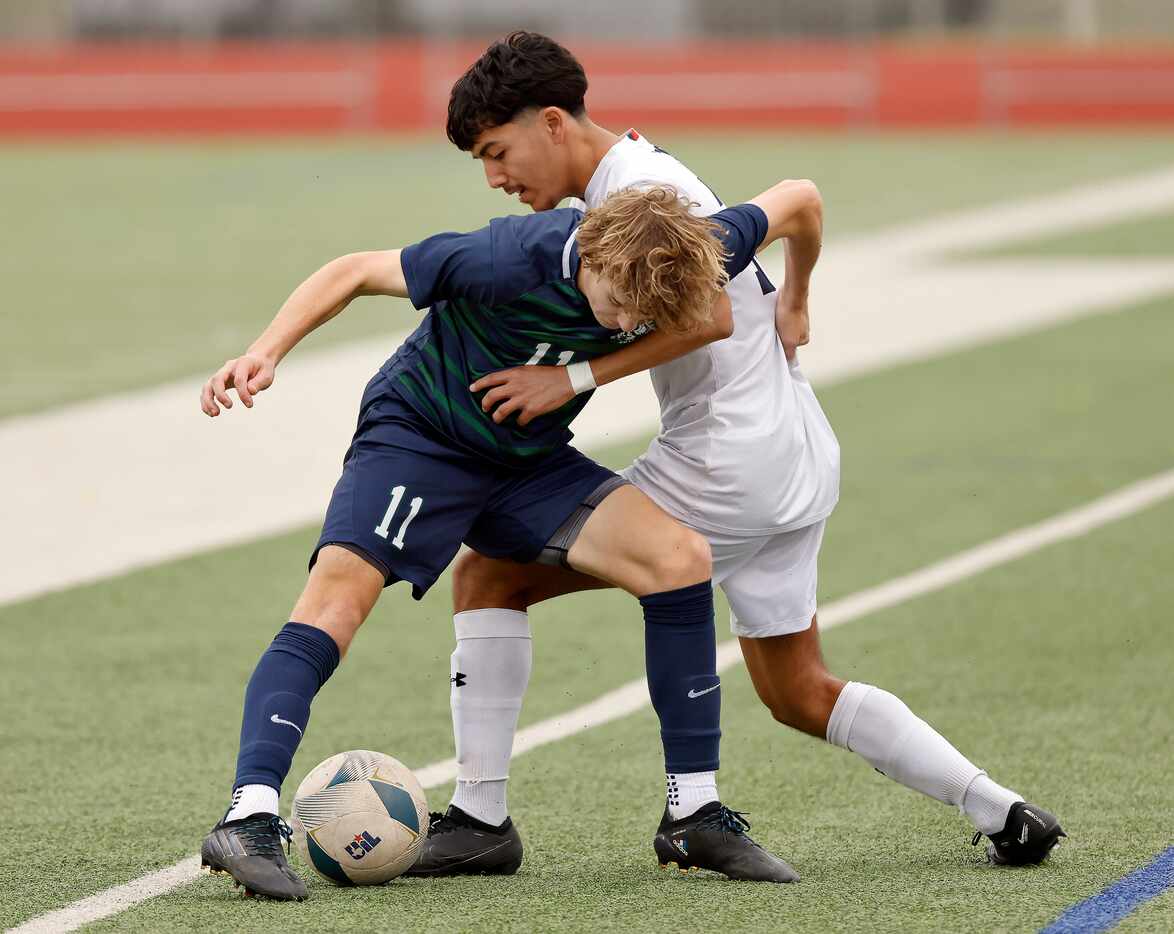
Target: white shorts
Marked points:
770	581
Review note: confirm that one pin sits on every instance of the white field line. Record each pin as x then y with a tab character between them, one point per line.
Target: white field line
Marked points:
633	696
1006	223
103	487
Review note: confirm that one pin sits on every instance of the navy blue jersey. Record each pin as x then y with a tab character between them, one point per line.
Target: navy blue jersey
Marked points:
505	296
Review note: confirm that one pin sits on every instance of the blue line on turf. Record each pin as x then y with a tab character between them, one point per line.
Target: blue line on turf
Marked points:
1109	906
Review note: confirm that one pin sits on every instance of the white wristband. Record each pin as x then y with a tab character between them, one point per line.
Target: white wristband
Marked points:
582	379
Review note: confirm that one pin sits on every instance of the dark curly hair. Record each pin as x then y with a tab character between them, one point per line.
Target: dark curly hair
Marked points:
523	70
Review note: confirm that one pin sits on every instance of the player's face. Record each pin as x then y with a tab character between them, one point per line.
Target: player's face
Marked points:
608	307
528	157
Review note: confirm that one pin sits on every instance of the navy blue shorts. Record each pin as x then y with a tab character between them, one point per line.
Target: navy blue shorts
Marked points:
408	497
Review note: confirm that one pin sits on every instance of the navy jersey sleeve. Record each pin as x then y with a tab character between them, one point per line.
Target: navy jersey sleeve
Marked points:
742	230
448	266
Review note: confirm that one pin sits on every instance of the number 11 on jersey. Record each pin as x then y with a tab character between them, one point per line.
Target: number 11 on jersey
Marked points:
397	494
540	350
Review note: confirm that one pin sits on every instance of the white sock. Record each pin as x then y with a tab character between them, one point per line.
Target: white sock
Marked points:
987	804
880	728
490	671
252	799
687	791
483	800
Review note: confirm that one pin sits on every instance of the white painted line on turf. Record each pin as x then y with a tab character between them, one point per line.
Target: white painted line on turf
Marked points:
1009	222
1002	550
633	696
115	900
104	487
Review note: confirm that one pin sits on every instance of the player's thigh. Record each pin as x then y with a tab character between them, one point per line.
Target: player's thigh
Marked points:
631	542
771	588
569	511
480	582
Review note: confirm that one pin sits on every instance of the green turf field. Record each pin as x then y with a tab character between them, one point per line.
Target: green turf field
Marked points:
1050	672
121	699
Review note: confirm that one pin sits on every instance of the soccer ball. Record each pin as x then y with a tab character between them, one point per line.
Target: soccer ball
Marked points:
359	818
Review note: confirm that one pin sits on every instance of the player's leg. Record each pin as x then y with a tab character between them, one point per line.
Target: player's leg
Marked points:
630	542
491	663
771	596
491	669
339	594
574	512
489	673
398	512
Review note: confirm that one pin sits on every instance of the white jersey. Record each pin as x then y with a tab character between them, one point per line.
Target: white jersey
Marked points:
744	446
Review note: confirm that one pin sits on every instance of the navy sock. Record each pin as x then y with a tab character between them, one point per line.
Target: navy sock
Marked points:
277	702
680	653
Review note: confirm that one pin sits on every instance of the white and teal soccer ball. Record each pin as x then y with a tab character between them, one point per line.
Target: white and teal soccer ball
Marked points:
359	818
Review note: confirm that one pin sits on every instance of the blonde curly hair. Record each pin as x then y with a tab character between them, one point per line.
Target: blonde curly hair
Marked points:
662	260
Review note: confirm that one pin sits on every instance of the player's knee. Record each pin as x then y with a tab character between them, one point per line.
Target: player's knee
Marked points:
338	614
339	595
683	559
479	583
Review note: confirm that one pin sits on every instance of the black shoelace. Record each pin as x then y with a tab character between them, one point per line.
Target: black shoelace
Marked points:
438	824
264	834
725	820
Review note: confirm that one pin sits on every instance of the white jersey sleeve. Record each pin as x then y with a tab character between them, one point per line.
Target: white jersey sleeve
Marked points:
744	446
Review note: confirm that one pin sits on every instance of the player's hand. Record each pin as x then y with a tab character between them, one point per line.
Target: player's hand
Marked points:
529	391
248	375
792	322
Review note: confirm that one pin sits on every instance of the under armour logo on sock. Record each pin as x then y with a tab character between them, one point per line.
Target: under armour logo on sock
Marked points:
459	679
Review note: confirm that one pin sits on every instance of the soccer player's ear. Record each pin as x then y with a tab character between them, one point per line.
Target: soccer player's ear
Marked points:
555	123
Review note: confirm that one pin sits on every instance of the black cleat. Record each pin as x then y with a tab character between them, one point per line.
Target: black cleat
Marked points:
460	845
714	837
1027	838
249	850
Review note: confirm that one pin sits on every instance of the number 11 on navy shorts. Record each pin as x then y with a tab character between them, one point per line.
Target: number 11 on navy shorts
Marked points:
408	497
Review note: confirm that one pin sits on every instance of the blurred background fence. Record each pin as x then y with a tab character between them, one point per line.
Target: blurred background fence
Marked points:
320	66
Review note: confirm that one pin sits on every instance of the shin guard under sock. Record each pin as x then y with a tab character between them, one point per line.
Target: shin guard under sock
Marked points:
277	702
680	654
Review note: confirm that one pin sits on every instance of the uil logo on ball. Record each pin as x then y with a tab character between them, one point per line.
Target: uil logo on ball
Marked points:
363	844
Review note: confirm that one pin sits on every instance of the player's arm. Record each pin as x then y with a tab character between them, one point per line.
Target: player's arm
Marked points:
322	296
794	214
531	391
